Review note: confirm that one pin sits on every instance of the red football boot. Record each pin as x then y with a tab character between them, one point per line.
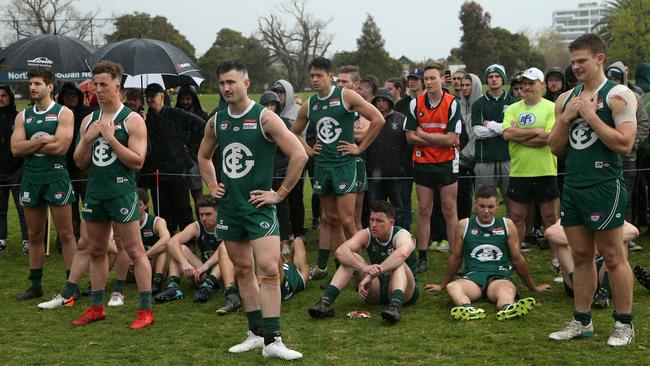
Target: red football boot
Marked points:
93	314
143	319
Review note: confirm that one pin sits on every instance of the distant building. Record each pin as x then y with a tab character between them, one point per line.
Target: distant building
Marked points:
571	24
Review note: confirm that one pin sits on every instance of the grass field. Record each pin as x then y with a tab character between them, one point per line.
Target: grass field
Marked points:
188	333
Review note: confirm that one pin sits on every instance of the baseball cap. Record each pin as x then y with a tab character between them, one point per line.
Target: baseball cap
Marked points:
533	73
416	73
153	89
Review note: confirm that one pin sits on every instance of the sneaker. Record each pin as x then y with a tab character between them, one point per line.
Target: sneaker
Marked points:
117	299
277	349
467	313
621	335
93	314
421	266
57	302
316	273
3	245
143	319
558	279
443	246
170	293
30	293
322	309
203	294
25	246
286	250
433	245
392	313
573	329
230	304
524	246
643	276
633	247
555	266
531	240
509	312
601	299
251	342
525	306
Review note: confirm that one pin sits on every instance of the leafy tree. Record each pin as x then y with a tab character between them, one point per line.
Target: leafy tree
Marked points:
477	44
514	51
549	43
144	26
372	57
232	44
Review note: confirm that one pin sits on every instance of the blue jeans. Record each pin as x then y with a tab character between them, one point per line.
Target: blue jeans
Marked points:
396	191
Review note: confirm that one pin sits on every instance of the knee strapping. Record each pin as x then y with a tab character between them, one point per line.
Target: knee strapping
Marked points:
270	280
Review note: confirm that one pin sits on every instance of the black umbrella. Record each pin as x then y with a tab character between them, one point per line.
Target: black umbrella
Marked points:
142	56
63	54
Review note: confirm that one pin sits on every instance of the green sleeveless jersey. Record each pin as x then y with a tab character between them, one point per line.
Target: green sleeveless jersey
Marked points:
41	168
147	232
588	160
378	251
208	242
333	124
108	177
485	247
247	157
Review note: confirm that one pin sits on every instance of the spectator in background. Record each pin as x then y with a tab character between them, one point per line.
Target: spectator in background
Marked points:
516	86
555	83
570	78
395	87
457	81
367	88
288	112
389	162
188	99
170	132
415	85
134	99
472	91
617	72
11	167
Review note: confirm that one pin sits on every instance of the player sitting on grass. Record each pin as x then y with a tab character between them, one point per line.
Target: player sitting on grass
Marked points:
390	278
294	272
489	247
213	260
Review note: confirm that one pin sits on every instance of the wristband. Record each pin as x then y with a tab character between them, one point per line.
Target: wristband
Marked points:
282	192
212	186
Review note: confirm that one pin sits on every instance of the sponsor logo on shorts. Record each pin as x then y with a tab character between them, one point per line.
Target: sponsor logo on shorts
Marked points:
221	226
124	211
317	185
51	117
121	180
343	185
601	164
561	213
265	225
596	217
59	195
86	209
224	125
25	197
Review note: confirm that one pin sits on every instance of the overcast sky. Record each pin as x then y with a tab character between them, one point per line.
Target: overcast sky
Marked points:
418	29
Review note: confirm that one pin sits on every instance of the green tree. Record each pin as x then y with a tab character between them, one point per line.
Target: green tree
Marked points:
232	44
549	43
514	51
372	56
345	58
143	25
626	27
477	44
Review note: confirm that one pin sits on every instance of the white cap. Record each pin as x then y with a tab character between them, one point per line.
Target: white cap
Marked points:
533	74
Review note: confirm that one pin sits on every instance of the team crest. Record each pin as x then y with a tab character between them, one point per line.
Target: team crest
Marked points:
343	185
582	136
265	225
224	125
124	211
474	232
595	217
29	120
58	195
526	119
486	253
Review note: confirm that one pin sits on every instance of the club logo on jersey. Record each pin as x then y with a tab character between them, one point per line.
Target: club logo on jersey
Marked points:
224	125
25	197
474	232
526	119
316	106
394	126
328	130
29	120
601	164
249	124
37	135
582	136
103	155
58	195
235	128
595	217
122	180
265	225
237	160
51	117
40	61
487	253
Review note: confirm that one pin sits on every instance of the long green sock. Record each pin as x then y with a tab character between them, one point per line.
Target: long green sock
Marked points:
231	290
158	277
323	257
397	296
69	290
422	255
271	329
36	275
255	321
583	318
119	285
211	282
145	300
331	293
173	281
96	297
623	318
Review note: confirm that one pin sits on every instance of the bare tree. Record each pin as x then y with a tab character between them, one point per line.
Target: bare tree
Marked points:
32	17
294	46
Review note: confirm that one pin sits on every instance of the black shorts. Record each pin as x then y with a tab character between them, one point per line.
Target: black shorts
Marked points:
434	180
540	189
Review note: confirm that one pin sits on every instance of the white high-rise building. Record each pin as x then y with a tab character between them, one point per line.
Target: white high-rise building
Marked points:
571	24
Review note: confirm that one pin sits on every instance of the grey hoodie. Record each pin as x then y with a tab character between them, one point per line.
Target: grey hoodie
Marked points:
466	115
290	110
